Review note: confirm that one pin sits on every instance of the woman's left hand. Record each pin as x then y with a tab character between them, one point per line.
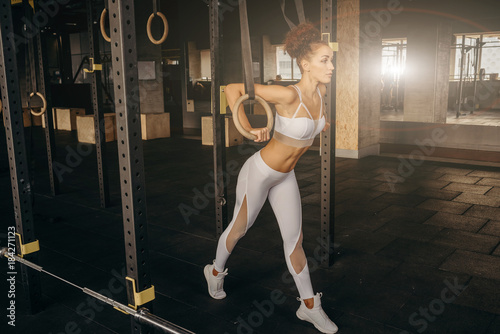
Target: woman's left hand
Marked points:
327	126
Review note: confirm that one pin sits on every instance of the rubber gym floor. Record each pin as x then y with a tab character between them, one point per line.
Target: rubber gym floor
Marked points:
418	256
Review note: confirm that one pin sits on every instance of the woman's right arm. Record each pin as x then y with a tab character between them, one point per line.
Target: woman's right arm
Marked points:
271	93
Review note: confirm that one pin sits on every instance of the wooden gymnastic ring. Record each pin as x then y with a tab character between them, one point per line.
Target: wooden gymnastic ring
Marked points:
44	107
236	120
103	29
165	28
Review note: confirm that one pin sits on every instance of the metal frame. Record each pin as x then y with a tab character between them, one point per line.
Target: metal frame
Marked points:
131	160
327	149
18	162
47	116
219	147
99	123
142	315
458	106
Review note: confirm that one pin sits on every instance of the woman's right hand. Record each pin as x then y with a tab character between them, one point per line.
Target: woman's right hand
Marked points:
261	133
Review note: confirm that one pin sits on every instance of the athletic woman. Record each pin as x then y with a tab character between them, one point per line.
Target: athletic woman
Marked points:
269	173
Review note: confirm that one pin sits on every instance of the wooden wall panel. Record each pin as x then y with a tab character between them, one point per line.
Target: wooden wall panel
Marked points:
347	74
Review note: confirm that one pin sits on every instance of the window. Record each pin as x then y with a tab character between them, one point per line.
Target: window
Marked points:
286	66
393	70
481	48
393	58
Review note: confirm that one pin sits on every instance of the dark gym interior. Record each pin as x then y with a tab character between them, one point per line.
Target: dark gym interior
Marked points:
403	237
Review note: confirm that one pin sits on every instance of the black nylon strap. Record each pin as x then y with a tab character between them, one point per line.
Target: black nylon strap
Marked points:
155	7
300	12
246	50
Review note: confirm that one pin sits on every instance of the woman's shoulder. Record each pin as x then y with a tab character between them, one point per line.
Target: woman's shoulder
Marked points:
276	94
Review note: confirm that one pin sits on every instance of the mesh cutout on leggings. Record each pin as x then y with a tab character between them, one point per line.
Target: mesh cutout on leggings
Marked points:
298	257
239	227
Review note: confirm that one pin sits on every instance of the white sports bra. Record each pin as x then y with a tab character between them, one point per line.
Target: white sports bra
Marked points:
299	131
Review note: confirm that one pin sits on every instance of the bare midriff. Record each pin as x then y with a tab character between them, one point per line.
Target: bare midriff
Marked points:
281	157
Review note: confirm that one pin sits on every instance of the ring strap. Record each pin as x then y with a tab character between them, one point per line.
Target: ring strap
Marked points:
246	50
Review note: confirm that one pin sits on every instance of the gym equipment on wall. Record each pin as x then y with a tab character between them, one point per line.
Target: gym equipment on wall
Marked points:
218	121
150	21
38	87
142	315
99	125
246	52
24	233
327	147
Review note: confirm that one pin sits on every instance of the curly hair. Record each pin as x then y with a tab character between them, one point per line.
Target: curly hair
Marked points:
302	40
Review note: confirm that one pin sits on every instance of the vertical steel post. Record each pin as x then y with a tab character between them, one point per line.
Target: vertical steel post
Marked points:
476	64
99	125
47	116
327	149
18	162
218	122
460	84
131	159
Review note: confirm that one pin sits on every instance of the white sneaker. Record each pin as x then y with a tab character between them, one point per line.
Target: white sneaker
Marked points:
215	283
316	316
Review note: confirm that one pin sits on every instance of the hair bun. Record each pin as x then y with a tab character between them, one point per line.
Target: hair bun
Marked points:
298	40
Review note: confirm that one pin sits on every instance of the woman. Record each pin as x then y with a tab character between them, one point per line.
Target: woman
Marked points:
269	173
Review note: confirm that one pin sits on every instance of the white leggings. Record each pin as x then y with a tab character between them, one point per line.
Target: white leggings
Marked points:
256	182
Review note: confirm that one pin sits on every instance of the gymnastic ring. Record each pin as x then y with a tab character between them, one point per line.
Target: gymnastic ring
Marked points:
44	107
165	28
236	120
103	29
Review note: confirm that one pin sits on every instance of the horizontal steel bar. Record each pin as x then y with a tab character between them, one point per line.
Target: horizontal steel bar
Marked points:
142	315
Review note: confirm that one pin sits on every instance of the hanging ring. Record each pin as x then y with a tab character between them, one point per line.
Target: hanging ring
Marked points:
103	30
236	120
44	107
222	201
165	28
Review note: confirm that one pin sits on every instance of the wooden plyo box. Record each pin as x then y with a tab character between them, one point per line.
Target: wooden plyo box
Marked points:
27	117
85	128
233	137
66	118
155	126
190	106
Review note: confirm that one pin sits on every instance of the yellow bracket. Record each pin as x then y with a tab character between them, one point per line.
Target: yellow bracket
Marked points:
16	2
143	297
333	45
26	248
119	309
94	67
223	100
